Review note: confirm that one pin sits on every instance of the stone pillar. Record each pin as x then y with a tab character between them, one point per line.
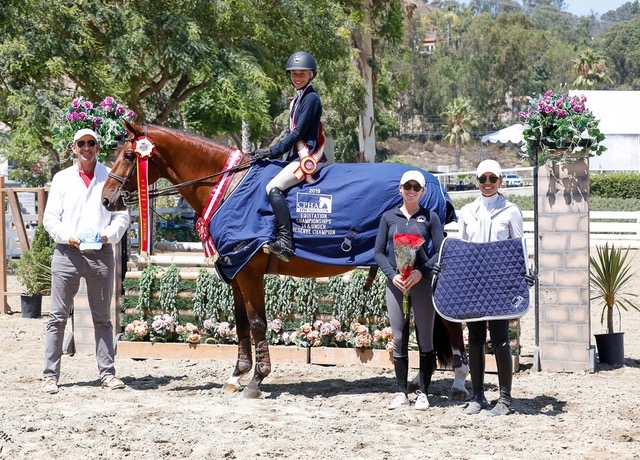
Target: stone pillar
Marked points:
563	271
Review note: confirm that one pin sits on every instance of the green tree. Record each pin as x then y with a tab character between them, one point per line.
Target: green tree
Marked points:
590	70
459	118
621	45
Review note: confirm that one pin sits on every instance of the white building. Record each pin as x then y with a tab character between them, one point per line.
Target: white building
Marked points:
619	115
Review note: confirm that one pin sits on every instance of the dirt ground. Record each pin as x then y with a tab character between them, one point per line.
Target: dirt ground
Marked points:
176	409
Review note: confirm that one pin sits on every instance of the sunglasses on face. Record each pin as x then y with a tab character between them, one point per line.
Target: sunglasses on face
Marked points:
492	179
415	187
90	143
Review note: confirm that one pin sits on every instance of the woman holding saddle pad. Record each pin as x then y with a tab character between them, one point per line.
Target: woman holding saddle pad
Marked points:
490	218
410	219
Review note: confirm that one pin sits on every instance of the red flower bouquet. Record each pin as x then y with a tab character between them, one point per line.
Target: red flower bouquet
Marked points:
407	244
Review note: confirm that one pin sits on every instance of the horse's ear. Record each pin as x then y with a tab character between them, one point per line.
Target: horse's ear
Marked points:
133	129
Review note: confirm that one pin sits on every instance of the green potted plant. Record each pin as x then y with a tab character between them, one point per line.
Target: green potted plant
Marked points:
611	273
559	127
33	270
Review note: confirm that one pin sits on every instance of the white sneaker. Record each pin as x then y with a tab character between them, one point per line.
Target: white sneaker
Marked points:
400	400
49	386
422	403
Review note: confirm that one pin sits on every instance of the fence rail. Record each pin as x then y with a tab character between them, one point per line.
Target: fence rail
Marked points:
621	228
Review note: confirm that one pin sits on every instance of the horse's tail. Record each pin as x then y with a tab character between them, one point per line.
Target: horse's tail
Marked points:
442	342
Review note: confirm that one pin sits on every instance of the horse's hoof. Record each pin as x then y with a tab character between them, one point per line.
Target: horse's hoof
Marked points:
459	395
251	393
231	388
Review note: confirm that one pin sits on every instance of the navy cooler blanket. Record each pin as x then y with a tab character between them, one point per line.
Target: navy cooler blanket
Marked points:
335	219
481	281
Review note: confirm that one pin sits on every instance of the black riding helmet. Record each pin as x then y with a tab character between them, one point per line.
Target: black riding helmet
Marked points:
301	60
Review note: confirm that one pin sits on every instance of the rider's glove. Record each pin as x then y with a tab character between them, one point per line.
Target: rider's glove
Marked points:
262	154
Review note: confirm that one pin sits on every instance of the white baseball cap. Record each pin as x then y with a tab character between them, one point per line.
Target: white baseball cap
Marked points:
413	175
489	166
85	132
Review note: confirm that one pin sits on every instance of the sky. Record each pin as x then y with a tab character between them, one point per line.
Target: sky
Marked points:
584	7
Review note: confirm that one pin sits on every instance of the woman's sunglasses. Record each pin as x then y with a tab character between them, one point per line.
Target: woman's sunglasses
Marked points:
415	187
492	179
90	143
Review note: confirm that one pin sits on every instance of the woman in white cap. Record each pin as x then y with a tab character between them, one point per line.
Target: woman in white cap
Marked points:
490	218
411	218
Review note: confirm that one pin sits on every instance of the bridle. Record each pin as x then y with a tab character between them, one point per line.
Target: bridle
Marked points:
130	198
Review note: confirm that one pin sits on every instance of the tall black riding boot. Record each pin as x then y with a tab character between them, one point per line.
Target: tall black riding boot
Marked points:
401	367
427	365
476	369
283	245
504	364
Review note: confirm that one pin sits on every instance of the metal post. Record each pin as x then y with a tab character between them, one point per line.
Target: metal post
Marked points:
536	287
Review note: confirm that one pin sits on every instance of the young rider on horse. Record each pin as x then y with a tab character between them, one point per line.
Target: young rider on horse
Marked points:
303	146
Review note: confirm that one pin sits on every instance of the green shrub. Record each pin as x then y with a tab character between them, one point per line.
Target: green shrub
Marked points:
615	185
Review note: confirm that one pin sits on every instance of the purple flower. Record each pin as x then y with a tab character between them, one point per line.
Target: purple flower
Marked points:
88	105
96	121
548	110
131	114
76	102
561	113
108	102
120	110
523	115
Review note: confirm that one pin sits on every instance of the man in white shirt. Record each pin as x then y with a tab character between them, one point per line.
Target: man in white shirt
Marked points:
84	232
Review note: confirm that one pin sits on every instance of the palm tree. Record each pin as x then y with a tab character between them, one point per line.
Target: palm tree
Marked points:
591	71
459	118
610	276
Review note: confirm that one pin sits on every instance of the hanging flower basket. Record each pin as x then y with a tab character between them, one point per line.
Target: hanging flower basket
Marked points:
560	128
104	118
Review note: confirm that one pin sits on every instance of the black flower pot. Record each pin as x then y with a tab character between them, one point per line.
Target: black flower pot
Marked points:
610	348
31	305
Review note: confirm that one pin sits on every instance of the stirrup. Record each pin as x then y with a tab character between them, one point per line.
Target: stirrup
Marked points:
279	250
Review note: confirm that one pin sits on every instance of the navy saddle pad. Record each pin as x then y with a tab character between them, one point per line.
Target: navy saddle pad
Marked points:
480	281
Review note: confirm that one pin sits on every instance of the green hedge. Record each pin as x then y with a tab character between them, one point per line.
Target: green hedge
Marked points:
616	185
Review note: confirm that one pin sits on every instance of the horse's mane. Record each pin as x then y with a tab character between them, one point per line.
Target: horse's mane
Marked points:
192	138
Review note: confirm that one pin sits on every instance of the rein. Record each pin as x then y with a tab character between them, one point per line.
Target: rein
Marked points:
171	189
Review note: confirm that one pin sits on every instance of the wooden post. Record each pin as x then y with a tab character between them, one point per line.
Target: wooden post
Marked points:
3	251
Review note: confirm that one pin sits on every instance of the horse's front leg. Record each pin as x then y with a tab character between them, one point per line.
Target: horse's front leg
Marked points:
244	361
460	366
253	295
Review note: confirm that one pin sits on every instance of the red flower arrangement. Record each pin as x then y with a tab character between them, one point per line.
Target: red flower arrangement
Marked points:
407	245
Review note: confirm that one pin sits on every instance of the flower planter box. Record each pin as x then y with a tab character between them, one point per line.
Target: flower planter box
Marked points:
357	356
153	350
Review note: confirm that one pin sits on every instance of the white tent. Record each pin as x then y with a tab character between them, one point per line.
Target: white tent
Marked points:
511	134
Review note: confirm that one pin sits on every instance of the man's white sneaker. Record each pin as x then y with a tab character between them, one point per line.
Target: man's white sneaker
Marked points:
49	386
422	403
112	383
400	400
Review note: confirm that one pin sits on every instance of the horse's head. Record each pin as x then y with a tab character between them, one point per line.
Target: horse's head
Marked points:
122	186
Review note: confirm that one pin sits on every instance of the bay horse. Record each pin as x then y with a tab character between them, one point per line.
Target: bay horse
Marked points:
192	164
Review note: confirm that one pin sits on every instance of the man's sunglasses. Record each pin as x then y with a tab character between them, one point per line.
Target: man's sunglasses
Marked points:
415	187
492	179
90	143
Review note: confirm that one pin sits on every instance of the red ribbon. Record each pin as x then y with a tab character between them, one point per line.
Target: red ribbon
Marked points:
210	208
144	148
